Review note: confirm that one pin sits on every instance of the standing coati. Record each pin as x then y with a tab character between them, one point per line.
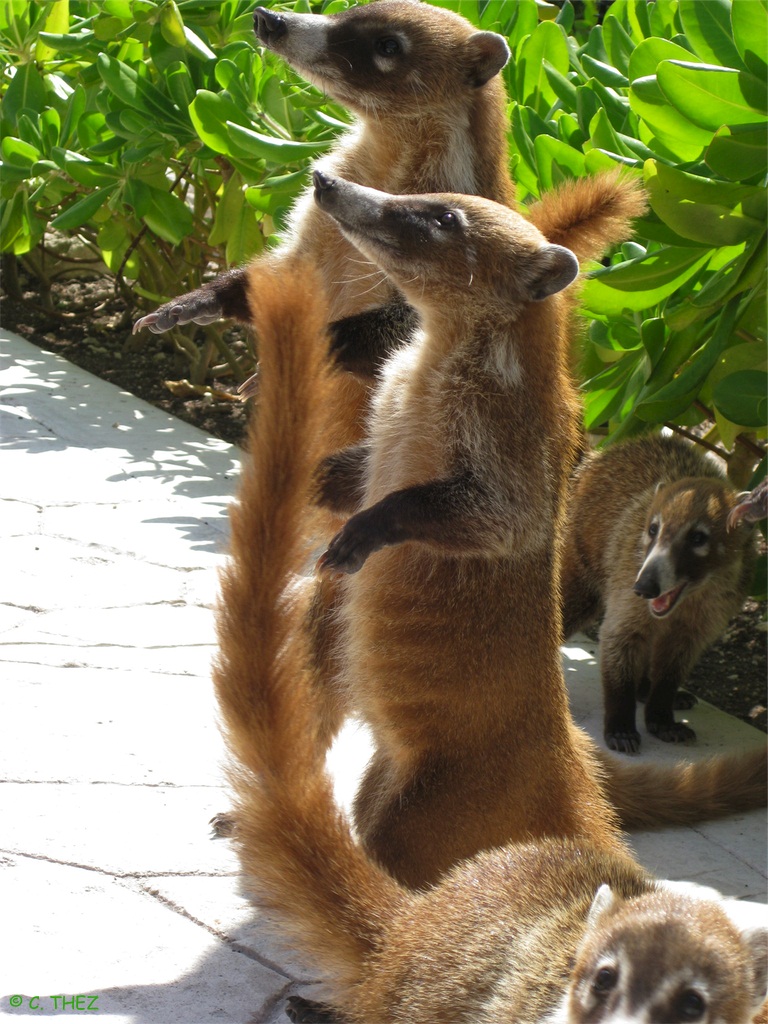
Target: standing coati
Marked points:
431	116
648	551
556	930
459	489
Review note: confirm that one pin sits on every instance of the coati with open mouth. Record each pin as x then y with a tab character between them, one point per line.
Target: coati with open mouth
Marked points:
648	552
554	930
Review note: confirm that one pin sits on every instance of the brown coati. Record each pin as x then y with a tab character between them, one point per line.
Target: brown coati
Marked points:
425	88
448	631
556	930
459	493
647	551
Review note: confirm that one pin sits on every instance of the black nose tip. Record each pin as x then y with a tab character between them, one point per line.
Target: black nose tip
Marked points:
322	182
268	25
647	587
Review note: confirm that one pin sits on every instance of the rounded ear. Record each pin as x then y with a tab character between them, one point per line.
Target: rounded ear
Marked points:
749	919
556	268
603	902
487	53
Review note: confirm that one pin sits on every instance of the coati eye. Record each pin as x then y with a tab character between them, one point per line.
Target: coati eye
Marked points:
605	980
653	530
691	1006
698	538
447	219
388	46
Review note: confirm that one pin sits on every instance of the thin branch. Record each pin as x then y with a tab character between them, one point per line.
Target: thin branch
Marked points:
698	440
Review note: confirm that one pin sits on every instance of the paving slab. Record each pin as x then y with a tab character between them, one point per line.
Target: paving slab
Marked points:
113	521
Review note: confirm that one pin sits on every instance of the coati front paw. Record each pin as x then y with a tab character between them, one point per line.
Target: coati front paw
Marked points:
304	1011
352	545
199	307
671	732
624	741
222	825
684	700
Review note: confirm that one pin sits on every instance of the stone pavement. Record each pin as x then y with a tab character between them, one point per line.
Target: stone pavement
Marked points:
112	895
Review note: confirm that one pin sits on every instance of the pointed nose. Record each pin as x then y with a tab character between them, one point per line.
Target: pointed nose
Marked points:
268	25
647	584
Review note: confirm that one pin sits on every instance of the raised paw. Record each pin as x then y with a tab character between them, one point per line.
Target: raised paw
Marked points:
199	307
672	732
304	1011
624	741
348	551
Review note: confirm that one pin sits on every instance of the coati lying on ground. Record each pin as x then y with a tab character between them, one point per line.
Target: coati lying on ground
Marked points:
556	930
647	550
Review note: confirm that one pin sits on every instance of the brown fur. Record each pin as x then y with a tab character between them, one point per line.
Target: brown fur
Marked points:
439	657
495	941
620	498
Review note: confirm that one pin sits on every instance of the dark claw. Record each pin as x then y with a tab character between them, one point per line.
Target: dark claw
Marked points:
304	1011
624	742
200	307
677	732
348	551
222	825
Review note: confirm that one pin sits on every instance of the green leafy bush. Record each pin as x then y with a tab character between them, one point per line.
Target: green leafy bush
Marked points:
156	131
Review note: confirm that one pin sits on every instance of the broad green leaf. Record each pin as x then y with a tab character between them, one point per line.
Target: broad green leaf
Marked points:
229	209
556	161
56	22
172	24
647	56
680	136
619	44
641	284
283	151
81	211
653	334
136	92
91	173
546	43
747	270
604	73
708	28
742	397
711	97
714	213
18	153
25	92
674	398
180	85
210	112
738	153
749	19
163	213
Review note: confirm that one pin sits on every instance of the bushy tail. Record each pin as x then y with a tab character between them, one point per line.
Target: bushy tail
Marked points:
649	796
301	863
590	215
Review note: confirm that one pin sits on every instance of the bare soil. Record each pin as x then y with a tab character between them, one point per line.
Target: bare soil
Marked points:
91	327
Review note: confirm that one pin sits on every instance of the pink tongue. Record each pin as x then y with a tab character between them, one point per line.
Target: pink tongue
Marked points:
661	604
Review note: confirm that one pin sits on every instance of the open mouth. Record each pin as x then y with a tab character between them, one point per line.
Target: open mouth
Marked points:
664	603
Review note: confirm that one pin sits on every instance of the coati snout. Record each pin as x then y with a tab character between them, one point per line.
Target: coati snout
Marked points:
269	26
685	541
380	55
444	241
